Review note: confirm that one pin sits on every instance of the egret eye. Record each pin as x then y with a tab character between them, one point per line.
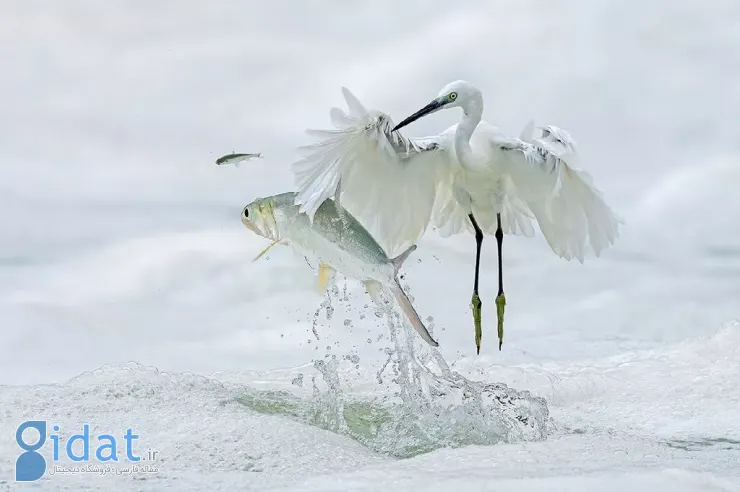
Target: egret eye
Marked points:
453	96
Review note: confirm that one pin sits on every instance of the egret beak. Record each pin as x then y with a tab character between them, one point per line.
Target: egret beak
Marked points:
428	109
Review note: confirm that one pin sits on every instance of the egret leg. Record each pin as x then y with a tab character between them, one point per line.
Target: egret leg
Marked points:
476	302
500	299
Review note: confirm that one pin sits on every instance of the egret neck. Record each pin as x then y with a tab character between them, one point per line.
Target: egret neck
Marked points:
472	114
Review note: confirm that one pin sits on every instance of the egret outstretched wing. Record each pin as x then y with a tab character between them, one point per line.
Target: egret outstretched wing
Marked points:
386	180
569	209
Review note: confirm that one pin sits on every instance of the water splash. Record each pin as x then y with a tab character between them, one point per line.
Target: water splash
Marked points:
423	404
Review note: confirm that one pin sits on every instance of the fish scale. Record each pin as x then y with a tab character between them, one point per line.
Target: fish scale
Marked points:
337	242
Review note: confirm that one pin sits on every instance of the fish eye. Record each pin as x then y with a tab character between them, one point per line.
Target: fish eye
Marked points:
453	96
246	213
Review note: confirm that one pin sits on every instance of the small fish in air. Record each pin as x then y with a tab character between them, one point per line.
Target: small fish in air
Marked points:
338	242
237	159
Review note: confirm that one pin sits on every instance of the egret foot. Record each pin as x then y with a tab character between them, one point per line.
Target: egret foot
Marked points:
500	307
476	304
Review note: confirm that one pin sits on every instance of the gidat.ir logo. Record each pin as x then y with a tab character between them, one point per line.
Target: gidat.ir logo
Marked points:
30	465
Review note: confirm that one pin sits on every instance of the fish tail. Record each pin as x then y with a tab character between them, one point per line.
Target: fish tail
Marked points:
408	308
398	260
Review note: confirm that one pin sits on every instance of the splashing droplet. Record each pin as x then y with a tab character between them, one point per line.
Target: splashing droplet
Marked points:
423	405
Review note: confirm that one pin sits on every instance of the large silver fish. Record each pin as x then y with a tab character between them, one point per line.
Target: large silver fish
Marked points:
338	242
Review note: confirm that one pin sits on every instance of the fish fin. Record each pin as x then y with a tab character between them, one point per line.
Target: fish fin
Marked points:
398	260
266	250
410	312
373	289
326	273
340	210
338	193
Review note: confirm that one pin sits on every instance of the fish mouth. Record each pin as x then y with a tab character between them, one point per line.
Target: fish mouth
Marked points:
250	225
428	109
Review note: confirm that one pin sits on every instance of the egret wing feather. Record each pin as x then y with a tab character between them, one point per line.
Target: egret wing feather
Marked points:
389	182
569	209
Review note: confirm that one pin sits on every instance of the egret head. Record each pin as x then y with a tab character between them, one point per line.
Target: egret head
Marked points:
455	94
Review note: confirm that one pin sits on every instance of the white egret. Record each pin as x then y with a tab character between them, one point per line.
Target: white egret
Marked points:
470	177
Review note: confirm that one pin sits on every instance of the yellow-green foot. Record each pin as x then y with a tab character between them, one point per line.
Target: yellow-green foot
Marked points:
500	307
477	320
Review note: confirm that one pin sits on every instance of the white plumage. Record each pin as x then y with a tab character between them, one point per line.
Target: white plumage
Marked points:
396	185
472	174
